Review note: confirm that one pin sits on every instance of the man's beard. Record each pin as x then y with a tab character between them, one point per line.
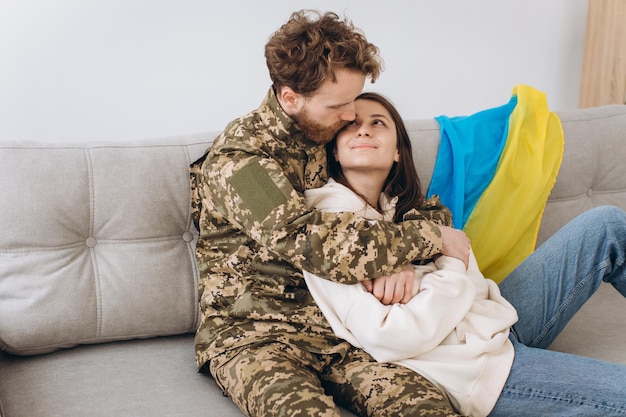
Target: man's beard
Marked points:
315	131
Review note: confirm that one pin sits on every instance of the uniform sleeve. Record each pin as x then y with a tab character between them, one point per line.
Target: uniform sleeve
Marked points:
254	195
431	209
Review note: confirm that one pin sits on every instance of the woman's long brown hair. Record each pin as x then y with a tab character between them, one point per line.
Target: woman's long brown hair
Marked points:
402	181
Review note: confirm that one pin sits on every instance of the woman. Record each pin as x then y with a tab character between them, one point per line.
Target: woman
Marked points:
455	329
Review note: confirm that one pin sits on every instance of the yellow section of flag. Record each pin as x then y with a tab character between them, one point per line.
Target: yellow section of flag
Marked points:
504	224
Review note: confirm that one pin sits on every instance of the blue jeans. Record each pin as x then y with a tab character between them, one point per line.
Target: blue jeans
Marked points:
548	289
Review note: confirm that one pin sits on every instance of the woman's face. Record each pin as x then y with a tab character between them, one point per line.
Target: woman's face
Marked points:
369	143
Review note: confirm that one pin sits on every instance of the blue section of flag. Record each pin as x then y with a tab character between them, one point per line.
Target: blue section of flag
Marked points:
468	156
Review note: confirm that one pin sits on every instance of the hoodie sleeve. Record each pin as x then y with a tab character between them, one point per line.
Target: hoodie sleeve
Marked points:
395	332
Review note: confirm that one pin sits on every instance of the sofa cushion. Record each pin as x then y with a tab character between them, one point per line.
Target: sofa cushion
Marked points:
593	171
97	243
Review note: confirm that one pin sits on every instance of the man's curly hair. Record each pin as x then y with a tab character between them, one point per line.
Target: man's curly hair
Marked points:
311	46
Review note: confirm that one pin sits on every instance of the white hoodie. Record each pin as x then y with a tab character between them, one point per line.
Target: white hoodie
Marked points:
454	331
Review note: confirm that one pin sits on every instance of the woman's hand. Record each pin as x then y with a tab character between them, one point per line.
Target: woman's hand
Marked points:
394	288
455	244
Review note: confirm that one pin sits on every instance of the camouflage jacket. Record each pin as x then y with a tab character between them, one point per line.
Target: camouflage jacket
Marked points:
256	236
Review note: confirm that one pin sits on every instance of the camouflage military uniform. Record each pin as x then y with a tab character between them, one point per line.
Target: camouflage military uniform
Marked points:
261	332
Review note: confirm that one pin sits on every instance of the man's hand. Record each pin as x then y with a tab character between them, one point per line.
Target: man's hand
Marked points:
394	288
455	244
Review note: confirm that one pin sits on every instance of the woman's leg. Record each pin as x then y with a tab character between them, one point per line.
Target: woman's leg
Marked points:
549	287
547	383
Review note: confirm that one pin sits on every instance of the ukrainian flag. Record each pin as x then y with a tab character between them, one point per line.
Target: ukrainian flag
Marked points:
495	170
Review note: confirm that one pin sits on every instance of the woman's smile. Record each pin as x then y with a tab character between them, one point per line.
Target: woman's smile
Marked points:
363	145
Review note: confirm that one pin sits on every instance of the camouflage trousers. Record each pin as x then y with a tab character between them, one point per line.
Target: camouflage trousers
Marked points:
278	380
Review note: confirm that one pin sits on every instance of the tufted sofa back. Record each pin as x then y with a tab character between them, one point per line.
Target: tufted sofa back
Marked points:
97	242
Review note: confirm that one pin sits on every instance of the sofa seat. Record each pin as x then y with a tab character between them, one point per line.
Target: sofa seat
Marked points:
138	377
151	377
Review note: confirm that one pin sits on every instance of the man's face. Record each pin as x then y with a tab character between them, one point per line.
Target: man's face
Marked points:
331	107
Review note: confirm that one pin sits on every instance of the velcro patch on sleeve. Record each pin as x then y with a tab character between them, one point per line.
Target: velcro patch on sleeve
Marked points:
258	192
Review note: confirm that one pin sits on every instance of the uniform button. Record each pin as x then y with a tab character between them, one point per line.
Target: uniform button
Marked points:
90	242
187	236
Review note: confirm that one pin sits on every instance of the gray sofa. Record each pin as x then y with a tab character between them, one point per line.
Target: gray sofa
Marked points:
98	280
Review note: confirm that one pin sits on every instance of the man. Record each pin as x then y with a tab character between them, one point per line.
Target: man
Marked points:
262	336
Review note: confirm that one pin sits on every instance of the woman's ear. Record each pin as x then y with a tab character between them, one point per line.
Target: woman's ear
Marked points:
396	157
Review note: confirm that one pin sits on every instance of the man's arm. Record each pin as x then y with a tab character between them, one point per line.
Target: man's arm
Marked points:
253	193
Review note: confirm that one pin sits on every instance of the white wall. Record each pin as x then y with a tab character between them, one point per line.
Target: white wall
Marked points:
73	70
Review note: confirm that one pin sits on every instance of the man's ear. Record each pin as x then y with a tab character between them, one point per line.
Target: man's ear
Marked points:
290	100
